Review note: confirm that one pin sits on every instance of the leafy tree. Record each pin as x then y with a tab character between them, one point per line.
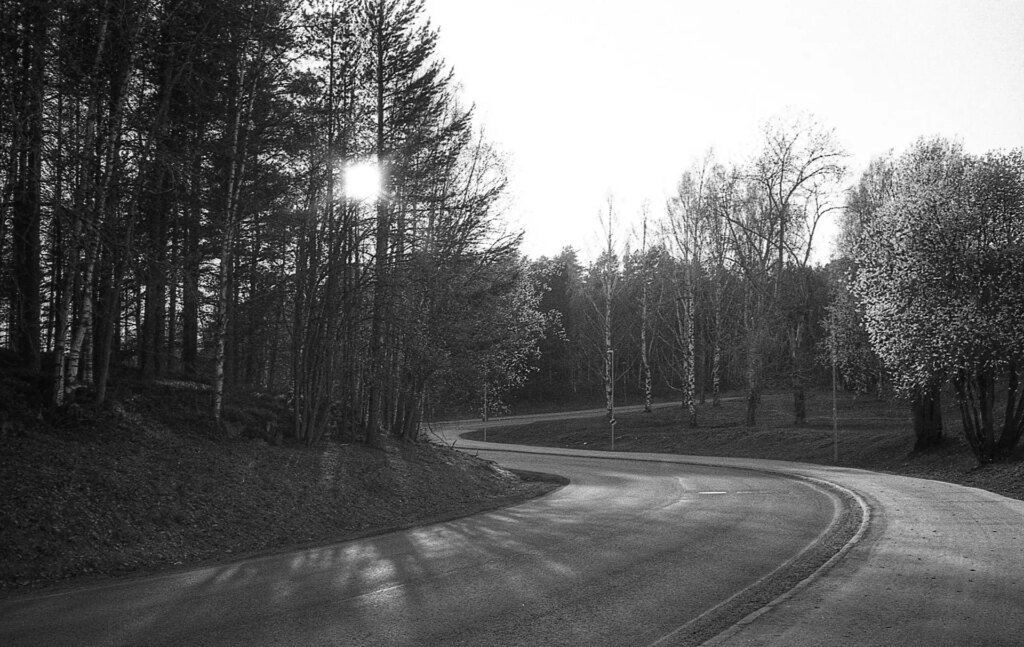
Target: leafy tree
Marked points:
859	367
940	276
492	326
857	362
849	341
559	370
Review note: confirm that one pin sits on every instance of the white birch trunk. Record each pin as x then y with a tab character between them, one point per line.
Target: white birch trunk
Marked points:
84	317
691	363
66	370
645	282
609	356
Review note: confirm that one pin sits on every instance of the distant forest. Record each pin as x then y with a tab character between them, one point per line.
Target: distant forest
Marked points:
175	202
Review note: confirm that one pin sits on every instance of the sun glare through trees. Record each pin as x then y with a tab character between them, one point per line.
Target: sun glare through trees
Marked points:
362	180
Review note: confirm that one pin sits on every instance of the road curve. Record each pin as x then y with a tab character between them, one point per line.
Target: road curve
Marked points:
630	553
939	565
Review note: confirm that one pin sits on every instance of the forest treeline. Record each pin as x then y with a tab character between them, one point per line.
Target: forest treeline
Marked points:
717	291
924	293
175	199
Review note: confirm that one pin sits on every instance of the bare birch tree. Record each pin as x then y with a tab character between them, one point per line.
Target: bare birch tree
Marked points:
645	286
609	280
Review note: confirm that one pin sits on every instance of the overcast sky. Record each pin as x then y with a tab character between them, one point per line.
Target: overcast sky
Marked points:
589	98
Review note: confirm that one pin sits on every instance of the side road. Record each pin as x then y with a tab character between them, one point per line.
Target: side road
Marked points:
939	564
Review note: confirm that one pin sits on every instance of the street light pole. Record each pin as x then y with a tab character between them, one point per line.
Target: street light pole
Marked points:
835	415
611	396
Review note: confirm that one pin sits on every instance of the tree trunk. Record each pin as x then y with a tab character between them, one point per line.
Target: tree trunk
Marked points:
609	291
716	360
190	273
62	324
972	391
120	249
169	360
26	303
1013	419
377	360
151	346
609	353
645	288
111	302
799	393
240	112
380	261
755	367
753	400
926	409
84	315
690	385
221	316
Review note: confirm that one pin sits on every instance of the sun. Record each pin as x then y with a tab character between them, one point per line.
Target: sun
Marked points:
362	180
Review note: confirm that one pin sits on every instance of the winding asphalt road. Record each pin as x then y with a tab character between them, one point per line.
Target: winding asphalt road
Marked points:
935	564
637	550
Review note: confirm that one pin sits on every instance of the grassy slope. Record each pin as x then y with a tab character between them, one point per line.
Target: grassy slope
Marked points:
152	486
872	435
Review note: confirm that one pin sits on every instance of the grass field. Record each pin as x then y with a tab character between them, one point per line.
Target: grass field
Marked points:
872	434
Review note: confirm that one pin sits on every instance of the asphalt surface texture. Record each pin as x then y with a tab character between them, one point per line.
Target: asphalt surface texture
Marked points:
636	550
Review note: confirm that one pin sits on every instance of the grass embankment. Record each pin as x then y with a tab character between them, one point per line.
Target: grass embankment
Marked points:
152	485
873	434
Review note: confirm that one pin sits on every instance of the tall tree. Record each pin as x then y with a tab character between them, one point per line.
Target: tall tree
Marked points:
691	223
940	275
856	358
609	263
408	89
794	181
27	88
645	289
255	62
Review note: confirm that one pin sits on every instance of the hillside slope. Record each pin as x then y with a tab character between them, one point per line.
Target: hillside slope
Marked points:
150	485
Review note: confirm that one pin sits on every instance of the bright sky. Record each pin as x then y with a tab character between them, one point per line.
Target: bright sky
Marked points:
589	98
